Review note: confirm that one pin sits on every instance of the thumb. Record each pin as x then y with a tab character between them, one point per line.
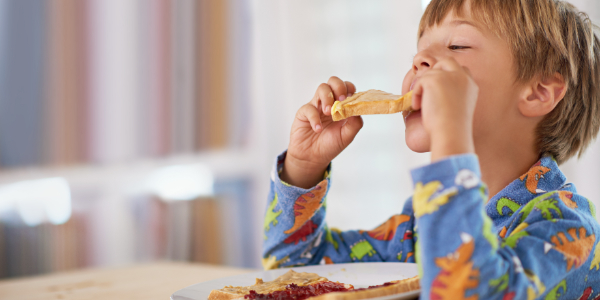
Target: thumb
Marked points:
350	129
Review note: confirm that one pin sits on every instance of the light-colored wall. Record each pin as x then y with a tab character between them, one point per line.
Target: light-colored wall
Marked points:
298	45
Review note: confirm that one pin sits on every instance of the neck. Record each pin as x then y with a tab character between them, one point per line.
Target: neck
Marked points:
502	165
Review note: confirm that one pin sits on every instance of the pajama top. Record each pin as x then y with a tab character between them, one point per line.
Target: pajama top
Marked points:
535	239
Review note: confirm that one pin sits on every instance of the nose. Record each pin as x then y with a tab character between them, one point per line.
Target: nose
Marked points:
423	61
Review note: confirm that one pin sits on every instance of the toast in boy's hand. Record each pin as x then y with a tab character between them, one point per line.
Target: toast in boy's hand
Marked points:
369	103
300	286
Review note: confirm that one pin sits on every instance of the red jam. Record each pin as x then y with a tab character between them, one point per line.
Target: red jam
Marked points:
295	292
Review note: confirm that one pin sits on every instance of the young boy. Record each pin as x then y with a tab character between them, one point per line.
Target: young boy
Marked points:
504	92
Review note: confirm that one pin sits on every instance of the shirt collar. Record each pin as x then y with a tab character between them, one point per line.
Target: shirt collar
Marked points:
544	176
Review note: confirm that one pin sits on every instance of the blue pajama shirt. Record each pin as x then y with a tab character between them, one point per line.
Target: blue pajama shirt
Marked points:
535	239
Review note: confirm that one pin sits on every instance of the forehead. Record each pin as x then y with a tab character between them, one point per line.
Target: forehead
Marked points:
453	21
452	24
456	13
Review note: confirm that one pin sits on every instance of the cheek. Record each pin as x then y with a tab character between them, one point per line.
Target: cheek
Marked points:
496	91
493	110
480	127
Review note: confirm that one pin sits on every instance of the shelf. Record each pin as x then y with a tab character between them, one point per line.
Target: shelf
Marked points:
223	164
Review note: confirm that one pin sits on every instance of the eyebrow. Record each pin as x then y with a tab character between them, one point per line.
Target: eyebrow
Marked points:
459	22
465	22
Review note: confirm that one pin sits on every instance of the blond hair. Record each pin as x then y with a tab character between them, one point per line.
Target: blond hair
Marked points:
545	37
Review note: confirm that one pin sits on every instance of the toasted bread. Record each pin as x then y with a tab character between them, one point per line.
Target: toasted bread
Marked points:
261	287
282	282
398	287
369	103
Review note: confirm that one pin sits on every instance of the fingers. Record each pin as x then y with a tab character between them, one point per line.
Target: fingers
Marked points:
417	95
324	98
467	71
350	129
309	113
350	88
327	93
338	87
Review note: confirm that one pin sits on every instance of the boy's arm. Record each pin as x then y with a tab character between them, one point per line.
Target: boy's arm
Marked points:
462	258
295	232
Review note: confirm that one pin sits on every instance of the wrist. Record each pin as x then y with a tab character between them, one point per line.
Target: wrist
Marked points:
452	139
301	173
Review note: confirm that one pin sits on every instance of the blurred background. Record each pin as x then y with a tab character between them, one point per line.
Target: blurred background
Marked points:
143	130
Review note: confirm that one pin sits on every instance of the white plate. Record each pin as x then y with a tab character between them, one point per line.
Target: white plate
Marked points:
358	274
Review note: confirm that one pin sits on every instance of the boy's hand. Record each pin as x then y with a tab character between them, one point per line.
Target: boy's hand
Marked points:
447	96
316	139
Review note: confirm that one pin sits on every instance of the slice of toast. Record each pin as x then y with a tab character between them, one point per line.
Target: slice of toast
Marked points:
311	281
370	102
261	287
392	288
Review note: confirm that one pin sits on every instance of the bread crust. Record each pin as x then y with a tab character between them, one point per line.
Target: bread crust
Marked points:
370	102
223	295
400	286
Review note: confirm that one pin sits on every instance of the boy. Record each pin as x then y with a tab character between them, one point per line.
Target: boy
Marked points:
504	91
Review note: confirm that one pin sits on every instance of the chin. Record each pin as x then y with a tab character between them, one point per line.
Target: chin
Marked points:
417	139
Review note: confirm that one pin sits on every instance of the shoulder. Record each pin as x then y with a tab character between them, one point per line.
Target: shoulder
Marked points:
564	206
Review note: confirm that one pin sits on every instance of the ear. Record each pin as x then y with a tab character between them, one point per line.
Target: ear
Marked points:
541	96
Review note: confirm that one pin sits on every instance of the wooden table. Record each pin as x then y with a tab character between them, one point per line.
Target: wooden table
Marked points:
147	281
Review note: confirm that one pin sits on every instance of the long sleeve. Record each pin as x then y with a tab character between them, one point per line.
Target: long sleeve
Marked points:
295	232
537	248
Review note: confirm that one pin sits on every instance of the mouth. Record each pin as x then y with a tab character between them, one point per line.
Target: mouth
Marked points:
413	83
408	113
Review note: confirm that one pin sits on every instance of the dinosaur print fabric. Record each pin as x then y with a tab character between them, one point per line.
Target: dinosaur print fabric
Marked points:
536	239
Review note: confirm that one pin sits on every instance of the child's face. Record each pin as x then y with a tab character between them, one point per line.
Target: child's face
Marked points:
490	62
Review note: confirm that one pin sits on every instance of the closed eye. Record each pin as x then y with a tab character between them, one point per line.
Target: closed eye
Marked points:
455	47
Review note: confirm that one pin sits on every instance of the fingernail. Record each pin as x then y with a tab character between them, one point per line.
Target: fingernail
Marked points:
318	127
330	95
328	108
349	95
342	97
